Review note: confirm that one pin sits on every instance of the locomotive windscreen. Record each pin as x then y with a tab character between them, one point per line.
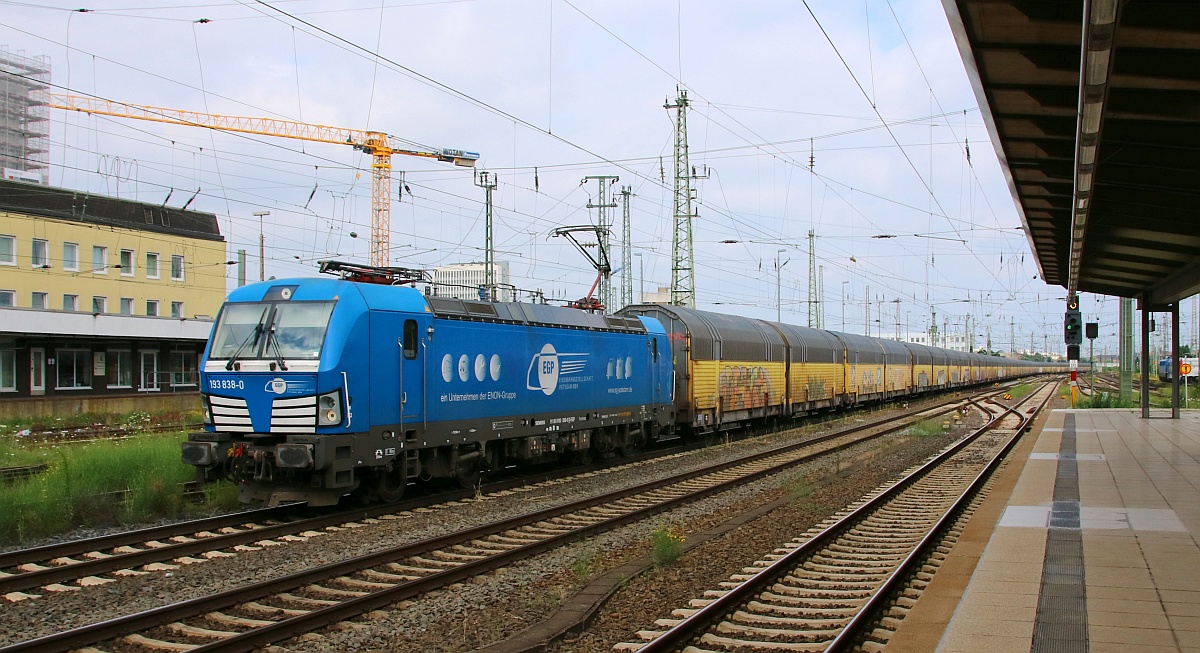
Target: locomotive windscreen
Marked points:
269	329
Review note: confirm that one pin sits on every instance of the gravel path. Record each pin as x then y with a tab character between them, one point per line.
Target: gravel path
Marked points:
501	604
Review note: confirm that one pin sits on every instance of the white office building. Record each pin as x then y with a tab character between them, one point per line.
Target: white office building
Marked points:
466	280
953	340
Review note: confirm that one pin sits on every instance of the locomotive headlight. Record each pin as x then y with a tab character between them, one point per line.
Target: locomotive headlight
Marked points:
205	409
329	409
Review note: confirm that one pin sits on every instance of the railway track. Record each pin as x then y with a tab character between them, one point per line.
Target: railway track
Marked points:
77	564
81	435
11	474
256	615
846	584
96	561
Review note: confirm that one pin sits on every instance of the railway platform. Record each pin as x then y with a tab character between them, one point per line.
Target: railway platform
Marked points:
1089	541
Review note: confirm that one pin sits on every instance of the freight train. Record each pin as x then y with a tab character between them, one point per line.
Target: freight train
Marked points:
315	388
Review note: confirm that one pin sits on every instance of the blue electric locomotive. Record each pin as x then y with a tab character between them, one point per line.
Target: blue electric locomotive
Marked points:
314	388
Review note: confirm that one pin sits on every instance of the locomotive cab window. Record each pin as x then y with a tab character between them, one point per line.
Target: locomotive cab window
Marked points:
294	330
410	339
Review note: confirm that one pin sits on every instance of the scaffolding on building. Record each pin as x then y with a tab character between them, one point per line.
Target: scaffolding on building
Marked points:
24	117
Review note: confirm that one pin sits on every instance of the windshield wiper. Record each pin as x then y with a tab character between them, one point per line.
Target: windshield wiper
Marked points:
273	343
251	339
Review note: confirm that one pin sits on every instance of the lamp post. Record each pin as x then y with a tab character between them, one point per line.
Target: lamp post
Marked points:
778	277
261	246
641	278
844	305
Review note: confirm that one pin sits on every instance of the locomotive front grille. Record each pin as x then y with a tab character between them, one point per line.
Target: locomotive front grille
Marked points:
294	415
230	414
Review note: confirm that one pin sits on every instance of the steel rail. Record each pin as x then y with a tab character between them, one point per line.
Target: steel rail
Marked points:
868	614
686	630
92	567
248	641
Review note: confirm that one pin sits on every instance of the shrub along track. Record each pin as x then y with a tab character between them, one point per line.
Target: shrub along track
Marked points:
846	583
254	615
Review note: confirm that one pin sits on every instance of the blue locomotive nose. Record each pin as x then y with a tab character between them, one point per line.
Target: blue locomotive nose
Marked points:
263	403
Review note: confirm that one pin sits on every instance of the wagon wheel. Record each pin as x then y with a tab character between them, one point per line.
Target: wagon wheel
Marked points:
390	484
467	474
582	456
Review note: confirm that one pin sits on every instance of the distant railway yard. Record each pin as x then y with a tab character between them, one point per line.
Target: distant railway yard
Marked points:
585	557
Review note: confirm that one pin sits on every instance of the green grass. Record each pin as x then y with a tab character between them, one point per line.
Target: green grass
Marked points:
927	427
131	421
1021	390
99	483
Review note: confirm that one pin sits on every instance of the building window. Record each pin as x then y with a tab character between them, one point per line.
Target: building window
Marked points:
70	302
8	298
99	260
74	368
149	370
8	370
41	253
152	307
71	257
120	369
126	306
39	300
151	265
176	309
8	250
127	263
176	267
99	304
183	368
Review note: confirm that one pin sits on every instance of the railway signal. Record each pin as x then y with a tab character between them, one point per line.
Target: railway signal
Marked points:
1073	337
1073	323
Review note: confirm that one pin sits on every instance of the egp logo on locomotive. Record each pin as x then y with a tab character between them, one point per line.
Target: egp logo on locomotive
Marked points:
548	364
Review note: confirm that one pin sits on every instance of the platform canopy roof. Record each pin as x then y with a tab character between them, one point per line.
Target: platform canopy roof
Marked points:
1094	110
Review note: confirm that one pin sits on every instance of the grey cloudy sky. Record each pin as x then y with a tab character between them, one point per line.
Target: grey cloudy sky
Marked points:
572	88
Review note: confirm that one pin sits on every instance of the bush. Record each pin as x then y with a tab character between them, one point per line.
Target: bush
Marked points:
667	544
1104	400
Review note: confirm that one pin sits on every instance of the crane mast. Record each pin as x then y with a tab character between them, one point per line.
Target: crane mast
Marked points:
379	145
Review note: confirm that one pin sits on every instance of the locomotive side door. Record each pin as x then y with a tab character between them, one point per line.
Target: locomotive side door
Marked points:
412	376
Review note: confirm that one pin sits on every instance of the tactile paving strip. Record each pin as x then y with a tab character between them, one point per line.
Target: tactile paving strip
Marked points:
1061	623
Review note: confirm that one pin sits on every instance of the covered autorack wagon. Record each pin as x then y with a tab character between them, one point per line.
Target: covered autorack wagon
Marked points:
922	364
865	360
816	367
898	376
727	368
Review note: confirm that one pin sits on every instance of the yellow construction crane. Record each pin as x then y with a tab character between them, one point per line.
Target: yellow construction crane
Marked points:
379	145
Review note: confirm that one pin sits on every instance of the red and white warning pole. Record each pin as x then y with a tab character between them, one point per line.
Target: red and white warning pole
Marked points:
1074	380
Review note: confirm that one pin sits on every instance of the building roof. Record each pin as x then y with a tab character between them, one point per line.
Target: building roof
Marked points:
1096	120
80	206
26	322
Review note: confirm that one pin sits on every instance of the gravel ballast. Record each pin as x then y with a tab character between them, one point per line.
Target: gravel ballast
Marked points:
501	604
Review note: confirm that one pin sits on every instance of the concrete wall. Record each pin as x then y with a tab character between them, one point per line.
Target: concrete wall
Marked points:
152	403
